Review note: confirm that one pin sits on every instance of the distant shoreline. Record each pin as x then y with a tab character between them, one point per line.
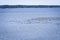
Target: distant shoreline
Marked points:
29	6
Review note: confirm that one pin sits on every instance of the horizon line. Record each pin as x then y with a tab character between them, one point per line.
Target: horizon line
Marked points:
46	5
29	6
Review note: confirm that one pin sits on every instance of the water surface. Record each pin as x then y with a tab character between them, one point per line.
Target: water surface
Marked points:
17	24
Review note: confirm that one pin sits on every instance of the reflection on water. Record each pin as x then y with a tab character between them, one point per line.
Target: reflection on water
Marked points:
30	24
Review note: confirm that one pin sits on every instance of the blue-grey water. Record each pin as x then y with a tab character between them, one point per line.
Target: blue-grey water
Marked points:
17	24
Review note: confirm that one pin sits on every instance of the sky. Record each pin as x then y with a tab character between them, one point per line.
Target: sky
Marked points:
29	2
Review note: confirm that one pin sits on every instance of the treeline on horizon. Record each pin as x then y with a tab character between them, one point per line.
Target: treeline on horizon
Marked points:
29	6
